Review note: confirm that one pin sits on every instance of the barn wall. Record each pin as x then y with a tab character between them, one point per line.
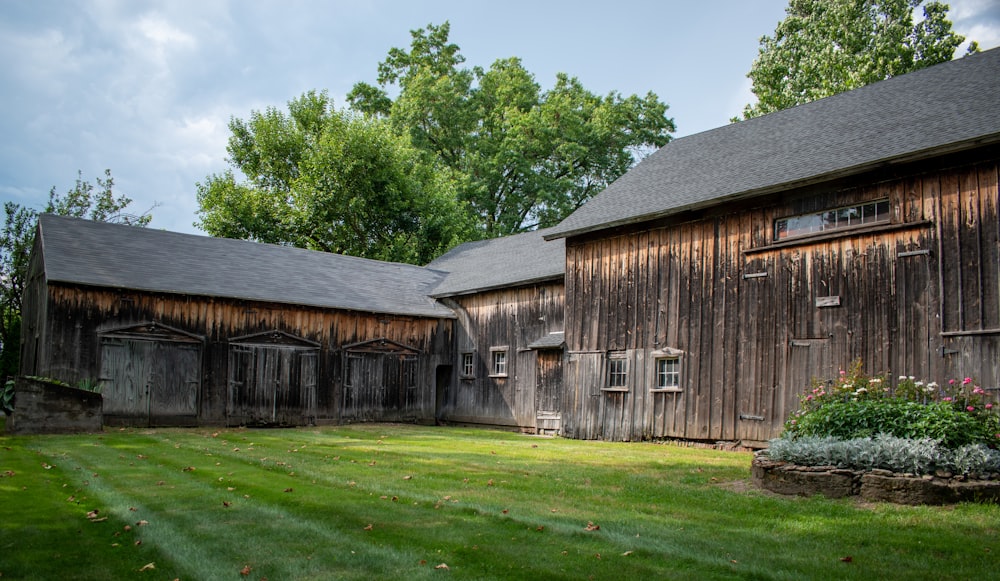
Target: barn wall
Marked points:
33	313
511	318
76	318
756	320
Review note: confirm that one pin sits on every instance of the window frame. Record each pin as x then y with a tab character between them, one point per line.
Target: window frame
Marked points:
467	365
665	373
820	220
500	370
617	377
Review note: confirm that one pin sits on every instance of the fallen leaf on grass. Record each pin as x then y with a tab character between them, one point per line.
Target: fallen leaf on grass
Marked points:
288	489
441	566
847	559
188	469
7	474
147	567
592	527
226	503
245	570
127	528
369	527
407	478
626	553
142	523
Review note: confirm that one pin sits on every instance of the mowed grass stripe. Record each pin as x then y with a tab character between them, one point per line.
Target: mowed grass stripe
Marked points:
386	501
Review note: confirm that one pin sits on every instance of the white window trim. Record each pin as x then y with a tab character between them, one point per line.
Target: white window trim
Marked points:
667	353
493	361
471	374
622	357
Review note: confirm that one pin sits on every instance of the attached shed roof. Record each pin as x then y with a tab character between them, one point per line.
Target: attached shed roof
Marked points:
501	262
944	108
109	255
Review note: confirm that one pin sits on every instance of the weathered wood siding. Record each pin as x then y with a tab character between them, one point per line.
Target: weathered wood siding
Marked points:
757	320
291	359
511	318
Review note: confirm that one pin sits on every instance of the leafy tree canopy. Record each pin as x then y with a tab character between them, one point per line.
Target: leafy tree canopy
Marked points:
331	180
18	236
825	47
523	157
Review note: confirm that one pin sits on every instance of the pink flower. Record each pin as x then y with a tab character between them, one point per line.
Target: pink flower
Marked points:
970	408
947	399
951	382
809	397
842	372
989	406
967	381
978	390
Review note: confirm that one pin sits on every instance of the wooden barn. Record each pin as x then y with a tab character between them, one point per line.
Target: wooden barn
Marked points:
709	284
189	330
507	295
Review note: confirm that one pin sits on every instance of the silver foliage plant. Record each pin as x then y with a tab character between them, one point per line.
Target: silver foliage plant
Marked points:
885	452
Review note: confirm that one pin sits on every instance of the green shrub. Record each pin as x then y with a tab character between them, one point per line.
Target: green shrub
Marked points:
858	406
938	421
7	397
916	456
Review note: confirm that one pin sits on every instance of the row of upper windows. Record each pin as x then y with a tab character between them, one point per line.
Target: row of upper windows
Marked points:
876	212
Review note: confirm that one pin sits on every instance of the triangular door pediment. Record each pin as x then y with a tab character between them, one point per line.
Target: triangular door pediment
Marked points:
152	331
274	337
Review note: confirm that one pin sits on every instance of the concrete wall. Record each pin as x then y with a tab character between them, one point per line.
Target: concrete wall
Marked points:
41	407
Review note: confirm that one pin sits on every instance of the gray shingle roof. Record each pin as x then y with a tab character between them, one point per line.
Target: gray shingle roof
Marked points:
500	262
110	255
946	107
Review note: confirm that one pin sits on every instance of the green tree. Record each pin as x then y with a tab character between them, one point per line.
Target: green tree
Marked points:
334	181
17	239
522	157
825	47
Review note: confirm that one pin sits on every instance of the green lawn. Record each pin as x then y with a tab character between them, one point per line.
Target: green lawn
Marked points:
409	502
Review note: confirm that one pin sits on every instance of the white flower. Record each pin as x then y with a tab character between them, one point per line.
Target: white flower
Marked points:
902	378
875	380
861	390
910	378
932	384
919	383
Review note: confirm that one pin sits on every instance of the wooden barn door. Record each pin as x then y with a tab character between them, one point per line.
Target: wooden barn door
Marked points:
548	391
272	383
380	381
150	382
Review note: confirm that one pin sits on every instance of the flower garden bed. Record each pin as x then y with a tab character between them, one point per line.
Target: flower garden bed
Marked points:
907	442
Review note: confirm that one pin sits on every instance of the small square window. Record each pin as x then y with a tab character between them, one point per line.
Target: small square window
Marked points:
668	373
467	368
617	371
499	356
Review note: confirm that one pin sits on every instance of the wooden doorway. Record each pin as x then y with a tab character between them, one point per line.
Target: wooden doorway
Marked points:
272	380
150	375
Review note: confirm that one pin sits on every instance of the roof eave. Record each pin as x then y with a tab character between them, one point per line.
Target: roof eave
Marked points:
521	283
431	312
956	147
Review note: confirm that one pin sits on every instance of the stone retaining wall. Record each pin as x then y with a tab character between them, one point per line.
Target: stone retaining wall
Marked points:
874	485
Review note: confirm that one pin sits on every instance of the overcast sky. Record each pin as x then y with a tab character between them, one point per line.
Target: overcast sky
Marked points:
146	89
